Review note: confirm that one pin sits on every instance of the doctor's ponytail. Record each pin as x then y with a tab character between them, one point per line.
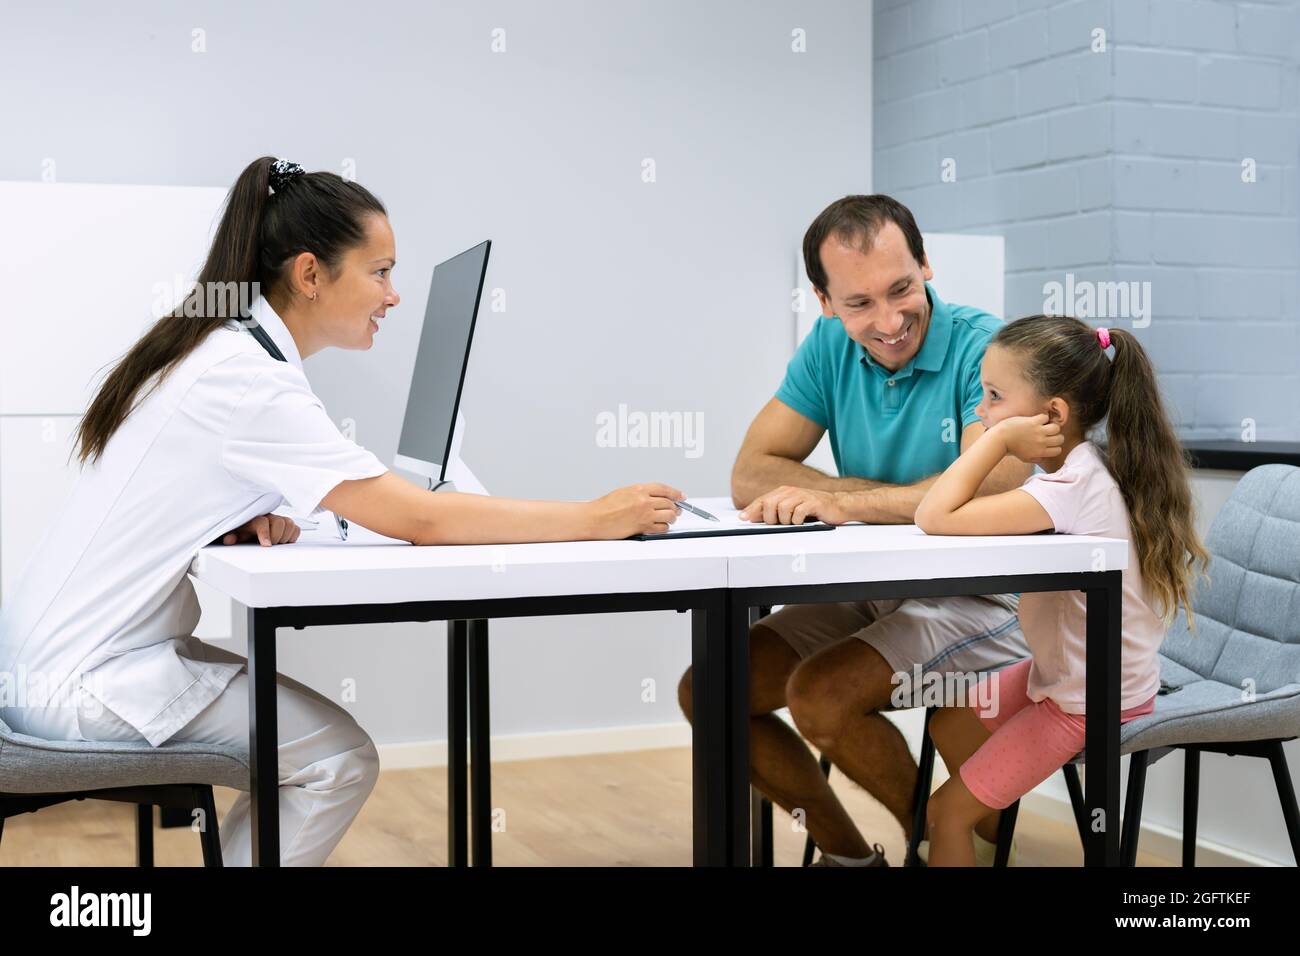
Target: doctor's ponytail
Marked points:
259	234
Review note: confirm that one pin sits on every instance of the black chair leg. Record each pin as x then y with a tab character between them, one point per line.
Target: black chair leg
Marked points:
760	826
1137	784
1191	799
921	793
1285	793
1075	788
209	835
1006	830
808	845
169	817
144	834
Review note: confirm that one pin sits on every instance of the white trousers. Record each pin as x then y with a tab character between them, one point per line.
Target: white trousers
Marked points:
328	765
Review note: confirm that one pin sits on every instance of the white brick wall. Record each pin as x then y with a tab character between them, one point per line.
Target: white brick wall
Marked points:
1118	165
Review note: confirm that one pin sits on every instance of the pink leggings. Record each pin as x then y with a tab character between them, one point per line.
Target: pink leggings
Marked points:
1031	740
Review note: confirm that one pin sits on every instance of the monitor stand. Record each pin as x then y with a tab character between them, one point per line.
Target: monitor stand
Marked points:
459	477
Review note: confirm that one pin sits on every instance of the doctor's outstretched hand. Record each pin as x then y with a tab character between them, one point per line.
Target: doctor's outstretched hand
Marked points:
266	530
648	508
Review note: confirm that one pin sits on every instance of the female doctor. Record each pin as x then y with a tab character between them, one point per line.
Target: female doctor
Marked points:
196	436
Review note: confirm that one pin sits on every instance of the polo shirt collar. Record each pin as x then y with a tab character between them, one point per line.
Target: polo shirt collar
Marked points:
274	325
935	346
933	349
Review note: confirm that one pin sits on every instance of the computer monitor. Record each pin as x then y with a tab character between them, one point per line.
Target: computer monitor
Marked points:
429	426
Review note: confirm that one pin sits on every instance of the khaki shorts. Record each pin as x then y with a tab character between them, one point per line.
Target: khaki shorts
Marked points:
949	635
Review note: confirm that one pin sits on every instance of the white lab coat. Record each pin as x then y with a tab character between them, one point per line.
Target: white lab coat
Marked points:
104	606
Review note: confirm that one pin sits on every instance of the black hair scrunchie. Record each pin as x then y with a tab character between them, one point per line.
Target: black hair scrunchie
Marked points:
282	173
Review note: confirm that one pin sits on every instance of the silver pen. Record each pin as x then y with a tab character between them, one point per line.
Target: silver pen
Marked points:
696	511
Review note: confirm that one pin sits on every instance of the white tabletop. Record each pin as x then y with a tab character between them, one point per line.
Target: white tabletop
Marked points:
904	553
859	552
369	568
320	569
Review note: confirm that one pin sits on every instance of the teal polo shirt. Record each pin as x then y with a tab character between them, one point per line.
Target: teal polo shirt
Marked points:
896	427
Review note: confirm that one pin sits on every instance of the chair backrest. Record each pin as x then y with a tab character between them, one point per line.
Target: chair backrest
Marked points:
1248	613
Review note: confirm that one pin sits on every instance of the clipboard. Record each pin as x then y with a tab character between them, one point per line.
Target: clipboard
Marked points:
688	525
725	532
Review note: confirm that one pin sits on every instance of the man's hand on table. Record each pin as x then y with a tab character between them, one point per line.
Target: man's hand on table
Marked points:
790	505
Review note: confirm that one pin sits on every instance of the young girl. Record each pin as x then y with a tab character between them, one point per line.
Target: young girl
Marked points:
1047	382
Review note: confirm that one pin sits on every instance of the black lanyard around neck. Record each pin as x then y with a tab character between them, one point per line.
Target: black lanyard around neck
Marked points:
259	333
264	339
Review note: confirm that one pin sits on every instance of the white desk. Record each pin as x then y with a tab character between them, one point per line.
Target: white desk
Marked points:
723	581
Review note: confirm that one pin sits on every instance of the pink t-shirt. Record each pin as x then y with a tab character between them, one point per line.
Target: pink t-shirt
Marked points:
1081	497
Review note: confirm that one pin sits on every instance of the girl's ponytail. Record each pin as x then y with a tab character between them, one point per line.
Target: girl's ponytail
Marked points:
1151	466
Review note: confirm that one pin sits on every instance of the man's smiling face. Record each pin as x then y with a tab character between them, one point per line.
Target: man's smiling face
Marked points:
878	294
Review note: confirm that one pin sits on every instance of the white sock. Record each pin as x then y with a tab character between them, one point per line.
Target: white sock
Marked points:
984	851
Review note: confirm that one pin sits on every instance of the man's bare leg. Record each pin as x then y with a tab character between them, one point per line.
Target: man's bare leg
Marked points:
835	696
781	765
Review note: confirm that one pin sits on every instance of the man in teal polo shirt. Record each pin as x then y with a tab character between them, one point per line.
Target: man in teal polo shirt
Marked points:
893	373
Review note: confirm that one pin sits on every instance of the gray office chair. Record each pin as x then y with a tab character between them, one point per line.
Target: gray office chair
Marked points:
1235	684
36	773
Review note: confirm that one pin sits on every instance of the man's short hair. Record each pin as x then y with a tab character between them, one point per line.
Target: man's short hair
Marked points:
857	219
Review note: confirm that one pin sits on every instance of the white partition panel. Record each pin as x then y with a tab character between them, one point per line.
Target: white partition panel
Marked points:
85	268
35	480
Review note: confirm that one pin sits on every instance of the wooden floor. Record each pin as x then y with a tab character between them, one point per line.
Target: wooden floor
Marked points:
630	809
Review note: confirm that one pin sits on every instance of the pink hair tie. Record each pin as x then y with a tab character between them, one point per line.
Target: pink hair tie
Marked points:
1103	336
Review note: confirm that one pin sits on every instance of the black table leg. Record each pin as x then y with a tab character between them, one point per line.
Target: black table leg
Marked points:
1101	781
480	742
263	740
709	731
739	617
457	802
720	731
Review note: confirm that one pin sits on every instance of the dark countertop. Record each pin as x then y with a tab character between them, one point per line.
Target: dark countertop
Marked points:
1242	455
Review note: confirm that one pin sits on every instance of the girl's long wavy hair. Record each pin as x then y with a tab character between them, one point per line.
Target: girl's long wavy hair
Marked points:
1063	357
258	235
